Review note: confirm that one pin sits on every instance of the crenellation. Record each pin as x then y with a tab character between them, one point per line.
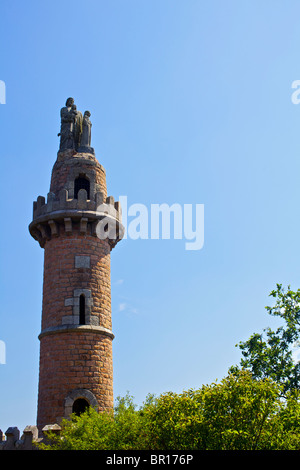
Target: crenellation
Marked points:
99	198
63	197
110	200
62	202
66	212
40	202
29	440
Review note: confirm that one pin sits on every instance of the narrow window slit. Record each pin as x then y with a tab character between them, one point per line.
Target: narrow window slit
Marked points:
82	310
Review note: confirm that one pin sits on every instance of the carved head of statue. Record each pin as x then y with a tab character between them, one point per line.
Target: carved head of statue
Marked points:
69	102
87	113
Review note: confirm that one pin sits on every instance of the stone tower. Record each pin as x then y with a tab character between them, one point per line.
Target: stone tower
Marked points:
77	226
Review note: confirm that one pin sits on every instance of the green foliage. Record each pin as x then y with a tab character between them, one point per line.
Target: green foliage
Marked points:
239	413
107	430
270	354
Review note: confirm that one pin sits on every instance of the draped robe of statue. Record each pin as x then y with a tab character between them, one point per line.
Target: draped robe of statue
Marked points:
86	130
68	115
77	129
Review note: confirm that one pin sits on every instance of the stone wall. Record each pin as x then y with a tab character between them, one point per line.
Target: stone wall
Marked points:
11	439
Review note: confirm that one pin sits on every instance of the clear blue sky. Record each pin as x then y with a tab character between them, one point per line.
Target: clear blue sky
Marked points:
191	104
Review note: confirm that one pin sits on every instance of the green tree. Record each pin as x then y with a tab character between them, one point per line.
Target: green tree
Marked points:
270	354
239	413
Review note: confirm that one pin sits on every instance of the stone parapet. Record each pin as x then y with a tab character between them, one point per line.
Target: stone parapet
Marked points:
29	440
61	211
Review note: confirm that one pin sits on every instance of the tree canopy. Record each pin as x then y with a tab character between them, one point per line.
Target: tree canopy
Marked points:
270	353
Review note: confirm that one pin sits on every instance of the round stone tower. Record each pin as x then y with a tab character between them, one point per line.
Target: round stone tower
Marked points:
78	225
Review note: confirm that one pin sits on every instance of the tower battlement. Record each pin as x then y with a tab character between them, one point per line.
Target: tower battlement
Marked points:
63	213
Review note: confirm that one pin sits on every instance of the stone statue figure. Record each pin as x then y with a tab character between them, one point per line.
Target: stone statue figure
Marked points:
75	129
85	142
71	126
86	130
67	115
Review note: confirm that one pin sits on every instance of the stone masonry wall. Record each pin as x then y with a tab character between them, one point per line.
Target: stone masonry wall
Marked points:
82	358
73	360
68	167
63	274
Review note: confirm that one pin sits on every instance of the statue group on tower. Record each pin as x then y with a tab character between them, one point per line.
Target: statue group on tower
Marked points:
75	129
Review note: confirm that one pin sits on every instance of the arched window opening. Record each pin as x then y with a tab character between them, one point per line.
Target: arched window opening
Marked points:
81	183
82	310
79	406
